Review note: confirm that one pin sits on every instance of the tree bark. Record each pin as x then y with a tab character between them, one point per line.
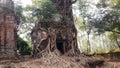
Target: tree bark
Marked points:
64	8
64	36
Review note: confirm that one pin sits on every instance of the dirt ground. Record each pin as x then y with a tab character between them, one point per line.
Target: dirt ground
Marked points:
56	61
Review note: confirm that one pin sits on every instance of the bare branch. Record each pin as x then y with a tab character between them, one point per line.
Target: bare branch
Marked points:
73	1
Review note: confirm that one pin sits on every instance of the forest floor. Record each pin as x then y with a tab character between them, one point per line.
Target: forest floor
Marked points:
55	61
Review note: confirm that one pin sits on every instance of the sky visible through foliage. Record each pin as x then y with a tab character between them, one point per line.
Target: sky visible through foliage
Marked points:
25	2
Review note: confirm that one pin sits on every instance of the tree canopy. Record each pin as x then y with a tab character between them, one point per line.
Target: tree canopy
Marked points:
43	10
104	16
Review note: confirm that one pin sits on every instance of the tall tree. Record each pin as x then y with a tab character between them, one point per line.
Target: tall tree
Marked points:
64	9
61	31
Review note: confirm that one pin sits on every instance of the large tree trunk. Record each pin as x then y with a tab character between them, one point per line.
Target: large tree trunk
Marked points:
62	37
64	8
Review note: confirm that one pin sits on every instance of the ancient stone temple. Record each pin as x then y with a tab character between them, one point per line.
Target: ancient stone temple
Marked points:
7	27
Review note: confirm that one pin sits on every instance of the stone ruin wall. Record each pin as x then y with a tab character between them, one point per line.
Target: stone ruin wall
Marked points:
7	27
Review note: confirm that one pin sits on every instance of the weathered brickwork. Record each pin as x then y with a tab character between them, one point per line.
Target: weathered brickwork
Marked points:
7	27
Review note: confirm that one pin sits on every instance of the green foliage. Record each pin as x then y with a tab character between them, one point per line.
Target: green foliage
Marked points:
103	17
79	23
112	36
42	9
104	20
23	47
115	3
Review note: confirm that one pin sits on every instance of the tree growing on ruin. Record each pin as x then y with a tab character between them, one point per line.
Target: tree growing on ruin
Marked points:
59	32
